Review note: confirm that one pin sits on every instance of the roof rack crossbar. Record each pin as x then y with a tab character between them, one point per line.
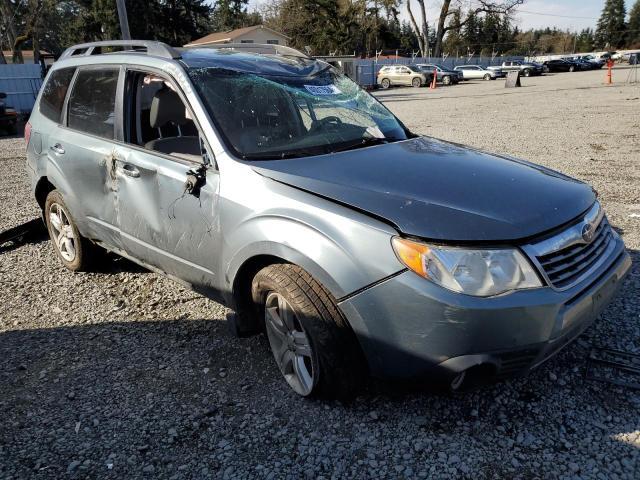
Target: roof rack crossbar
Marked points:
263	48
157	49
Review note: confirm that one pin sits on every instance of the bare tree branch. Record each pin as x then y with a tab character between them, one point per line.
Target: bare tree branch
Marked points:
420	35
482	6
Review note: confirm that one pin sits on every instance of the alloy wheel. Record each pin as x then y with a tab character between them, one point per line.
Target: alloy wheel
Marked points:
62	232
289	344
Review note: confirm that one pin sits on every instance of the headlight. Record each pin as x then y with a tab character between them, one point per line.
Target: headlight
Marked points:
478	272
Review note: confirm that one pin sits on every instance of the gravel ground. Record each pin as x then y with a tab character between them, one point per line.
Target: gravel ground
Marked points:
124	374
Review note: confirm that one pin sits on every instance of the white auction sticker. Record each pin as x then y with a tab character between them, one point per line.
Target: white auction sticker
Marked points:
323	89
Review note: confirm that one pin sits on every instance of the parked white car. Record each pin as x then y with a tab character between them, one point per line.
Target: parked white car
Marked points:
470	72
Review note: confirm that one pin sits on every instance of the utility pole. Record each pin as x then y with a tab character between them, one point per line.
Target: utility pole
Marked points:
124	22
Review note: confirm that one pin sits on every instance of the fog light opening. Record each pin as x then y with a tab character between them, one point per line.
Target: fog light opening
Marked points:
473	377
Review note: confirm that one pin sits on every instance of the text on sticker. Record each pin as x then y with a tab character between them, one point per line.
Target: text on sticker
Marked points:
323	89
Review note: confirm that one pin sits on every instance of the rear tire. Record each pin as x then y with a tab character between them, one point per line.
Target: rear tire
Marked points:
385	83
527	73
76	252
572	68
446	80
314	347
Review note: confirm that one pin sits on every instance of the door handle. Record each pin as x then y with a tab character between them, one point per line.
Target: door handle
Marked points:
129	170
57	148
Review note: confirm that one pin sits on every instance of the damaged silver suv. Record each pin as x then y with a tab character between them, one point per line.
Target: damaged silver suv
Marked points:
270	182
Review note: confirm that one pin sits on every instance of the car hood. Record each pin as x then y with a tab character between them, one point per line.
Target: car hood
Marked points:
440	191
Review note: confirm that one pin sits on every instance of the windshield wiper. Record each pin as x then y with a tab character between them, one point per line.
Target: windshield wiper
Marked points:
363	142
281	156
319	150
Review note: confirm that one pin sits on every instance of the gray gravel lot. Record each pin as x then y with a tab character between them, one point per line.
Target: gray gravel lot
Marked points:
124	374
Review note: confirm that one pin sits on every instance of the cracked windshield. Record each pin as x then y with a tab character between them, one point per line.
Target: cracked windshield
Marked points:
268	117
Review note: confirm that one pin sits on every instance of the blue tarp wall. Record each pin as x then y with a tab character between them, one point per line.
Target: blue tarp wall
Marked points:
21	83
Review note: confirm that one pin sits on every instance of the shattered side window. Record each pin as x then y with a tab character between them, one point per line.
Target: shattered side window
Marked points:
270	117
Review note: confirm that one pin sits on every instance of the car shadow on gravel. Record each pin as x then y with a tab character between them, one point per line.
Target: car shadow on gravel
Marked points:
28	233
134	399
111	264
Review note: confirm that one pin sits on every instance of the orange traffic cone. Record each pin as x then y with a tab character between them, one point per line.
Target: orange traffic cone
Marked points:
434	82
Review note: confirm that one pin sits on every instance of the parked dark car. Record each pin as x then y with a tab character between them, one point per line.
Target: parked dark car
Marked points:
8	116
445	75
562	65
526	69
584	64
595	63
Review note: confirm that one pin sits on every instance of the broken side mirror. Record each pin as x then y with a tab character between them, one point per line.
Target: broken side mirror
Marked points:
207	159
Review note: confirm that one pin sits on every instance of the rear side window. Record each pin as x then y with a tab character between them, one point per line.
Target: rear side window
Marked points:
54	93
92	102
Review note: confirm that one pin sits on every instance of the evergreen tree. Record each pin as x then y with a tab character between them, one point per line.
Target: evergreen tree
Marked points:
633	28
232	14
585	41
454	43
470	33
610	31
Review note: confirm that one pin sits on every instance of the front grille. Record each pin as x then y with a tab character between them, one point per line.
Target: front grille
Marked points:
565	267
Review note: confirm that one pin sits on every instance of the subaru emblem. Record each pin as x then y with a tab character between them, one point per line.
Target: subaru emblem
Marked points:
588	232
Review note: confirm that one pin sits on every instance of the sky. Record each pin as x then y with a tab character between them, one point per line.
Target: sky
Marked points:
566	14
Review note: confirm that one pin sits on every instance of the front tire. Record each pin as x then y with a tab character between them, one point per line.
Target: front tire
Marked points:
385	83
416	82
446	80
76	252
314	347
572	68
527	73
487	76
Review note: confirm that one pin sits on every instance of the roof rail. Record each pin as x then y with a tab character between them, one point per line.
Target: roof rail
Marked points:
261	48
157	49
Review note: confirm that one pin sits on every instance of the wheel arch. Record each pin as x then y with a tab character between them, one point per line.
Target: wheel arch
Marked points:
42	189
253	258
247	264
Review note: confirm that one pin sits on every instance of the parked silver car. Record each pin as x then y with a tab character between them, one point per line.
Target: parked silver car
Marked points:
270	182
470	72
405	75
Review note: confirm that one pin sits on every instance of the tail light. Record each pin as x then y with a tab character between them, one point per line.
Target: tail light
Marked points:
27	133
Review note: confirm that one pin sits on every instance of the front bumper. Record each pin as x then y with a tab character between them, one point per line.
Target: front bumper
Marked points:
411	328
